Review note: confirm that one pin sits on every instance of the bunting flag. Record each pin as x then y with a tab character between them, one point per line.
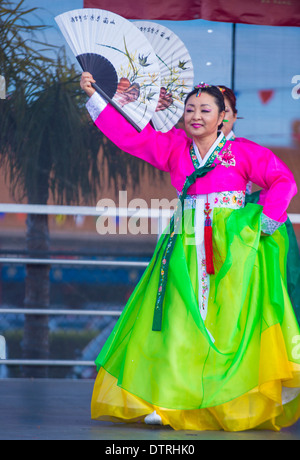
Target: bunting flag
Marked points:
60	220
21	218
266	95
296	131
260	12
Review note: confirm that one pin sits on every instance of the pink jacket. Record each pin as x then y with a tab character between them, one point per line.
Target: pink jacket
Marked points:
170	152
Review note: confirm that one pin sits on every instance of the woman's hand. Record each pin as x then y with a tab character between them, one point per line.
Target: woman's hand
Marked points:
86	83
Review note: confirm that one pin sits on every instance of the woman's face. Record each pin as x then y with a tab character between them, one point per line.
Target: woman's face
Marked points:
201	116
230	116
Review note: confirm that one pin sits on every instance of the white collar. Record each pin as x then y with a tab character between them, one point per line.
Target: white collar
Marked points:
212	148
230	135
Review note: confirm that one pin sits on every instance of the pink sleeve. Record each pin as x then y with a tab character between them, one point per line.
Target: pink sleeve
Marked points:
161	150
266	170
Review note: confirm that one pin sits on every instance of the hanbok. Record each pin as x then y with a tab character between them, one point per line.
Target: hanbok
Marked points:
293	256
206	349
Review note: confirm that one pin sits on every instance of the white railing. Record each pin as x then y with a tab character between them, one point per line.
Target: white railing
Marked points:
50	312
152	213
95	263
294	218
162	216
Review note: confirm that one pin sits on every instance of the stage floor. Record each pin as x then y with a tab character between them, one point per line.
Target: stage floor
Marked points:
60	410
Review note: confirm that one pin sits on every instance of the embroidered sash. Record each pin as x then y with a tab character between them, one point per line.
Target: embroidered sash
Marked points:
175	225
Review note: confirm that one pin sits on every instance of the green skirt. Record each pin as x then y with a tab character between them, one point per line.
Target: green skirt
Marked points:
238	369
293	260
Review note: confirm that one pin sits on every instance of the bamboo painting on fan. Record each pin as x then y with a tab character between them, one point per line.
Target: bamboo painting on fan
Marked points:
134	84
176	71
119	56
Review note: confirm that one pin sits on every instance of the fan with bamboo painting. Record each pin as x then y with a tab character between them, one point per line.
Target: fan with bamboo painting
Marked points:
176	73
119	57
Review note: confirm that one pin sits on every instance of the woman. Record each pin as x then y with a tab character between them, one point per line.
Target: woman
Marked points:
293	259
230	112
207	339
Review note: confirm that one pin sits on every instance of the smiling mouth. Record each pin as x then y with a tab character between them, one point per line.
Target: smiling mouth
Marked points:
197	125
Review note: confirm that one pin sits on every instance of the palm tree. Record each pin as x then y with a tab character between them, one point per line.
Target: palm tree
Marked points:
48	147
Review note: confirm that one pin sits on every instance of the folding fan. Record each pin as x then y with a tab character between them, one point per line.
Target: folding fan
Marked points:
119	57
176	73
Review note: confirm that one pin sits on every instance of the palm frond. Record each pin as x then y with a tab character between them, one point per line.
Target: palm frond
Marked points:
48	144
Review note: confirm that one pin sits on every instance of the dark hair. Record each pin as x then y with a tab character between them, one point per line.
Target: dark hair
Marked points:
229	94
212	91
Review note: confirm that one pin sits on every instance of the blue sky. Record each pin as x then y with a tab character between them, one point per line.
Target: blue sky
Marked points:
266	58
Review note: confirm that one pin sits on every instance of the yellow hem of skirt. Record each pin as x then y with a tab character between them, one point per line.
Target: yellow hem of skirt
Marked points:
273	404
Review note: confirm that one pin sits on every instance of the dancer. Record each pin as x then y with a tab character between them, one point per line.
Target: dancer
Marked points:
293	258
231	113
208	339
